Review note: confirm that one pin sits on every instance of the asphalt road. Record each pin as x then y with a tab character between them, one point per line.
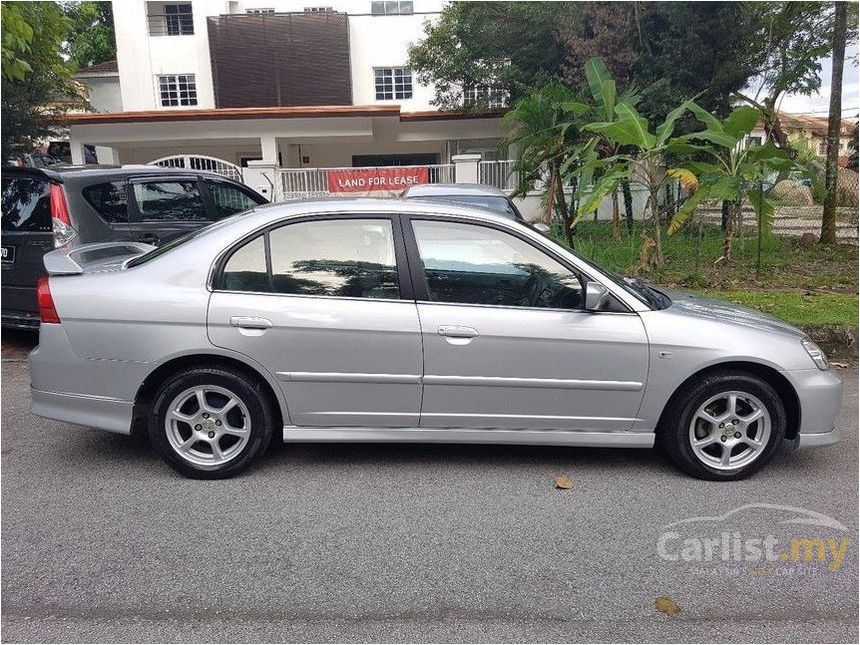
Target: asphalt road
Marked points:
102	542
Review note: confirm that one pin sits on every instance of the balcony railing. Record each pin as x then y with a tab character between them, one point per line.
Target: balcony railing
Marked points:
170	24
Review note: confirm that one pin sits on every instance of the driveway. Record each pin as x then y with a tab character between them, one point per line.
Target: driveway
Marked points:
102	542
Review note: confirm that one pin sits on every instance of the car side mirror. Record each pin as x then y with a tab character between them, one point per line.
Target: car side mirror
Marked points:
541	228
596	295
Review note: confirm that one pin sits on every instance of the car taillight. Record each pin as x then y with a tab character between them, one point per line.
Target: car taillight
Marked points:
61	223
47	311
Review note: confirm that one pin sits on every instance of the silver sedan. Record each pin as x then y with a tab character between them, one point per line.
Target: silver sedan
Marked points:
394	320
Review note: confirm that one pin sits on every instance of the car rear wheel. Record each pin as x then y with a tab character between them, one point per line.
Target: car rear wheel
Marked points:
725	426
210	423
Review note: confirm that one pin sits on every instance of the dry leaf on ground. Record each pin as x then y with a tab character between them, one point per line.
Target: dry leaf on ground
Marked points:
666	606
564	482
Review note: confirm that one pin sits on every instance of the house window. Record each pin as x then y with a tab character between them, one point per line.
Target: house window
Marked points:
174	19
177	89
391	8
393	83
485	96
255	11
318	9
753	142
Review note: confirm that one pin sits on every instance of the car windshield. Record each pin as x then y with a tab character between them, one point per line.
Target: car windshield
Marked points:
496	203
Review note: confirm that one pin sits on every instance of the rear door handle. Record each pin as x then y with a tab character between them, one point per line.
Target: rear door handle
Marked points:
250	322
457	331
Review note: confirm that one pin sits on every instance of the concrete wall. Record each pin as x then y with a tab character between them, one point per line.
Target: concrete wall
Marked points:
104	93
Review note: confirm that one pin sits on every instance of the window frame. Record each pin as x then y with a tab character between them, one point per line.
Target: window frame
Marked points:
419	279
136	217
179	105
393	79
177	18
404	277
399	11
128	199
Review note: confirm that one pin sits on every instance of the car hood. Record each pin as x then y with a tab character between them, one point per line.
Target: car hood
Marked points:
698	306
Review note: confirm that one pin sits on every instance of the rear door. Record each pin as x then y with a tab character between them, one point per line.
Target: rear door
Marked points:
226	198
26	237
164	207
325	304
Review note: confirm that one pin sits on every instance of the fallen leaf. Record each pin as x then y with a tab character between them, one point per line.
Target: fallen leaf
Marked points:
564	482
839	365
666	606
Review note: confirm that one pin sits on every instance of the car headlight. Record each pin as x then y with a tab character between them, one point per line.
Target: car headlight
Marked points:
816	354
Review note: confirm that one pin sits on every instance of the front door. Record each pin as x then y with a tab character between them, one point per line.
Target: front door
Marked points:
507	342
322	305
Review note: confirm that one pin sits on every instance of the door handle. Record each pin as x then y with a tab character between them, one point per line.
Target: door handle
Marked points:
457	331
250	322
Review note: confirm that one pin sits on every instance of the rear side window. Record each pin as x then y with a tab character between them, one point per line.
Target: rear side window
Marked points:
246	268
110	200
228	199
26	204
170	201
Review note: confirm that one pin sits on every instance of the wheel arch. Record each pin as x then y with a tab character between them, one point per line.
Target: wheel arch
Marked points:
146	392
771	376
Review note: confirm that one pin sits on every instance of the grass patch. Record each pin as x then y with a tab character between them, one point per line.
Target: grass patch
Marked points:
690	255
795	308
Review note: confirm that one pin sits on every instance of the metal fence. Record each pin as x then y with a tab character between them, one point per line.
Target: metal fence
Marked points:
201	162
499	173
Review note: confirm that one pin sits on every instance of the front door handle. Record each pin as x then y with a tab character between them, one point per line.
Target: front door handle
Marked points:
457	331
250	322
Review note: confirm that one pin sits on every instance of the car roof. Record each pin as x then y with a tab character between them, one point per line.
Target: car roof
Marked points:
63	172
438	190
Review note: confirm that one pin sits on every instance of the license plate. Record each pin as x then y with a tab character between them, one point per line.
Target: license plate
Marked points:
7	254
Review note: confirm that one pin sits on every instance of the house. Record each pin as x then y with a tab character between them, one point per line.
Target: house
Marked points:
811	129
290	86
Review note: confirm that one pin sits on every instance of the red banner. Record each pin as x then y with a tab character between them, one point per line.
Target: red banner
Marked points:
372	180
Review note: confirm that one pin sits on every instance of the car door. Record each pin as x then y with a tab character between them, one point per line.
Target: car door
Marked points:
164	207
326	305
507	341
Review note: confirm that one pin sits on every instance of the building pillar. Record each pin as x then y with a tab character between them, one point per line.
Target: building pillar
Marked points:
269	148
466	168
77	149
262	176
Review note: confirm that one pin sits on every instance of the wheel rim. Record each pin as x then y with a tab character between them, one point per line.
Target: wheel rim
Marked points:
207	425
730	430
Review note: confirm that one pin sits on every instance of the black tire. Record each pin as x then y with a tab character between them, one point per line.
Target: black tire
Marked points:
674	434
252	395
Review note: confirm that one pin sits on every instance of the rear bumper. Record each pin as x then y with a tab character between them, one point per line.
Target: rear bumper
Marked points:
112	415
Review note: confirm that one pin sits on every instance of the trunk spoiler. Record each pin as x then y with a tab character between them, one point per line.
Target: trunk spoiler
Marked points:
92	257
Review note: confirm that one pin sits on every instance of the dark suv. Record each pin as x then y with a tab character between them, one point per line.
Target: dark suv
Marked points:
44	208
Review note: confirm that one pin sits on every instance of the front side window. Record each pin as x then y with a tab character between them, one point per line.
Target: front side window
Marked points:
349	258
177	90
169	201
110	200
228	199
393	83
391	7
477	265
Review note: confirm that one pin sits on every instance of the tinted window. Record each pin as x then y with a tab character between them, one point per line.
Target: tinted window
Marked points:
246	268
349	258
26	204
110	200
471	264
228	199
169	201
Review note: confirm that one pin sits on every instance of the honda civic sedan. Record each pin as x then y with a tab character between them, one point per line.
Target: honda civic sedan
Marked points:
409	321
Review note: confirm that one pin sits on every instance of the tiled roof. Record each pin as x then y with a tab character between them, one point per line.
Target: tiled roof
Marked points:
107	67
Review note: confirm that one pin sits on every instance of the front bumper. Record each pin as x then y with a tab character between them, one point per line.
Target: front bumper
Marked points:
820	397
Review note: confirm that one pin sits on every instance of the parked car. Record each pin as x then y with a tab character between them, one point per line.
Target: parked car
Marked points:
46	208
402	320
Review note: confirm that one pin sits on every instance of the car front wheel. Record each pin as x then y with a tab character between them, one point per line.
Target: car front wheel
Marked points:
210	423
725	426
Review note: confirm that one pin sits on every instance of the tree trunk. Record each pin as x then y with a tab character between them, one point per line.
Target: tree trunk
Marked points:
561	204
616	217
724	222
657	260
828	220
628	205
729	211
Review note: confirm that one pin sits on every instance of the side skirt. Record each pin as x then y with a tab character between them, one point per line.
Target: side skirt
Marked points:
298	434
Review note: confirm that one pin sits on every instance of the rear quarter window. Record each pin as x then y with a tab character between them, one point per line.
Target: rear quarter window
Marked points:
110	201
26	204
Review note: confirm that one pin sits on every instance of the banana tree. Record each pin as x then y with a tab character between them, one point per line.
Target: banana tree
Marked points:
545	133
732	170
599	176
